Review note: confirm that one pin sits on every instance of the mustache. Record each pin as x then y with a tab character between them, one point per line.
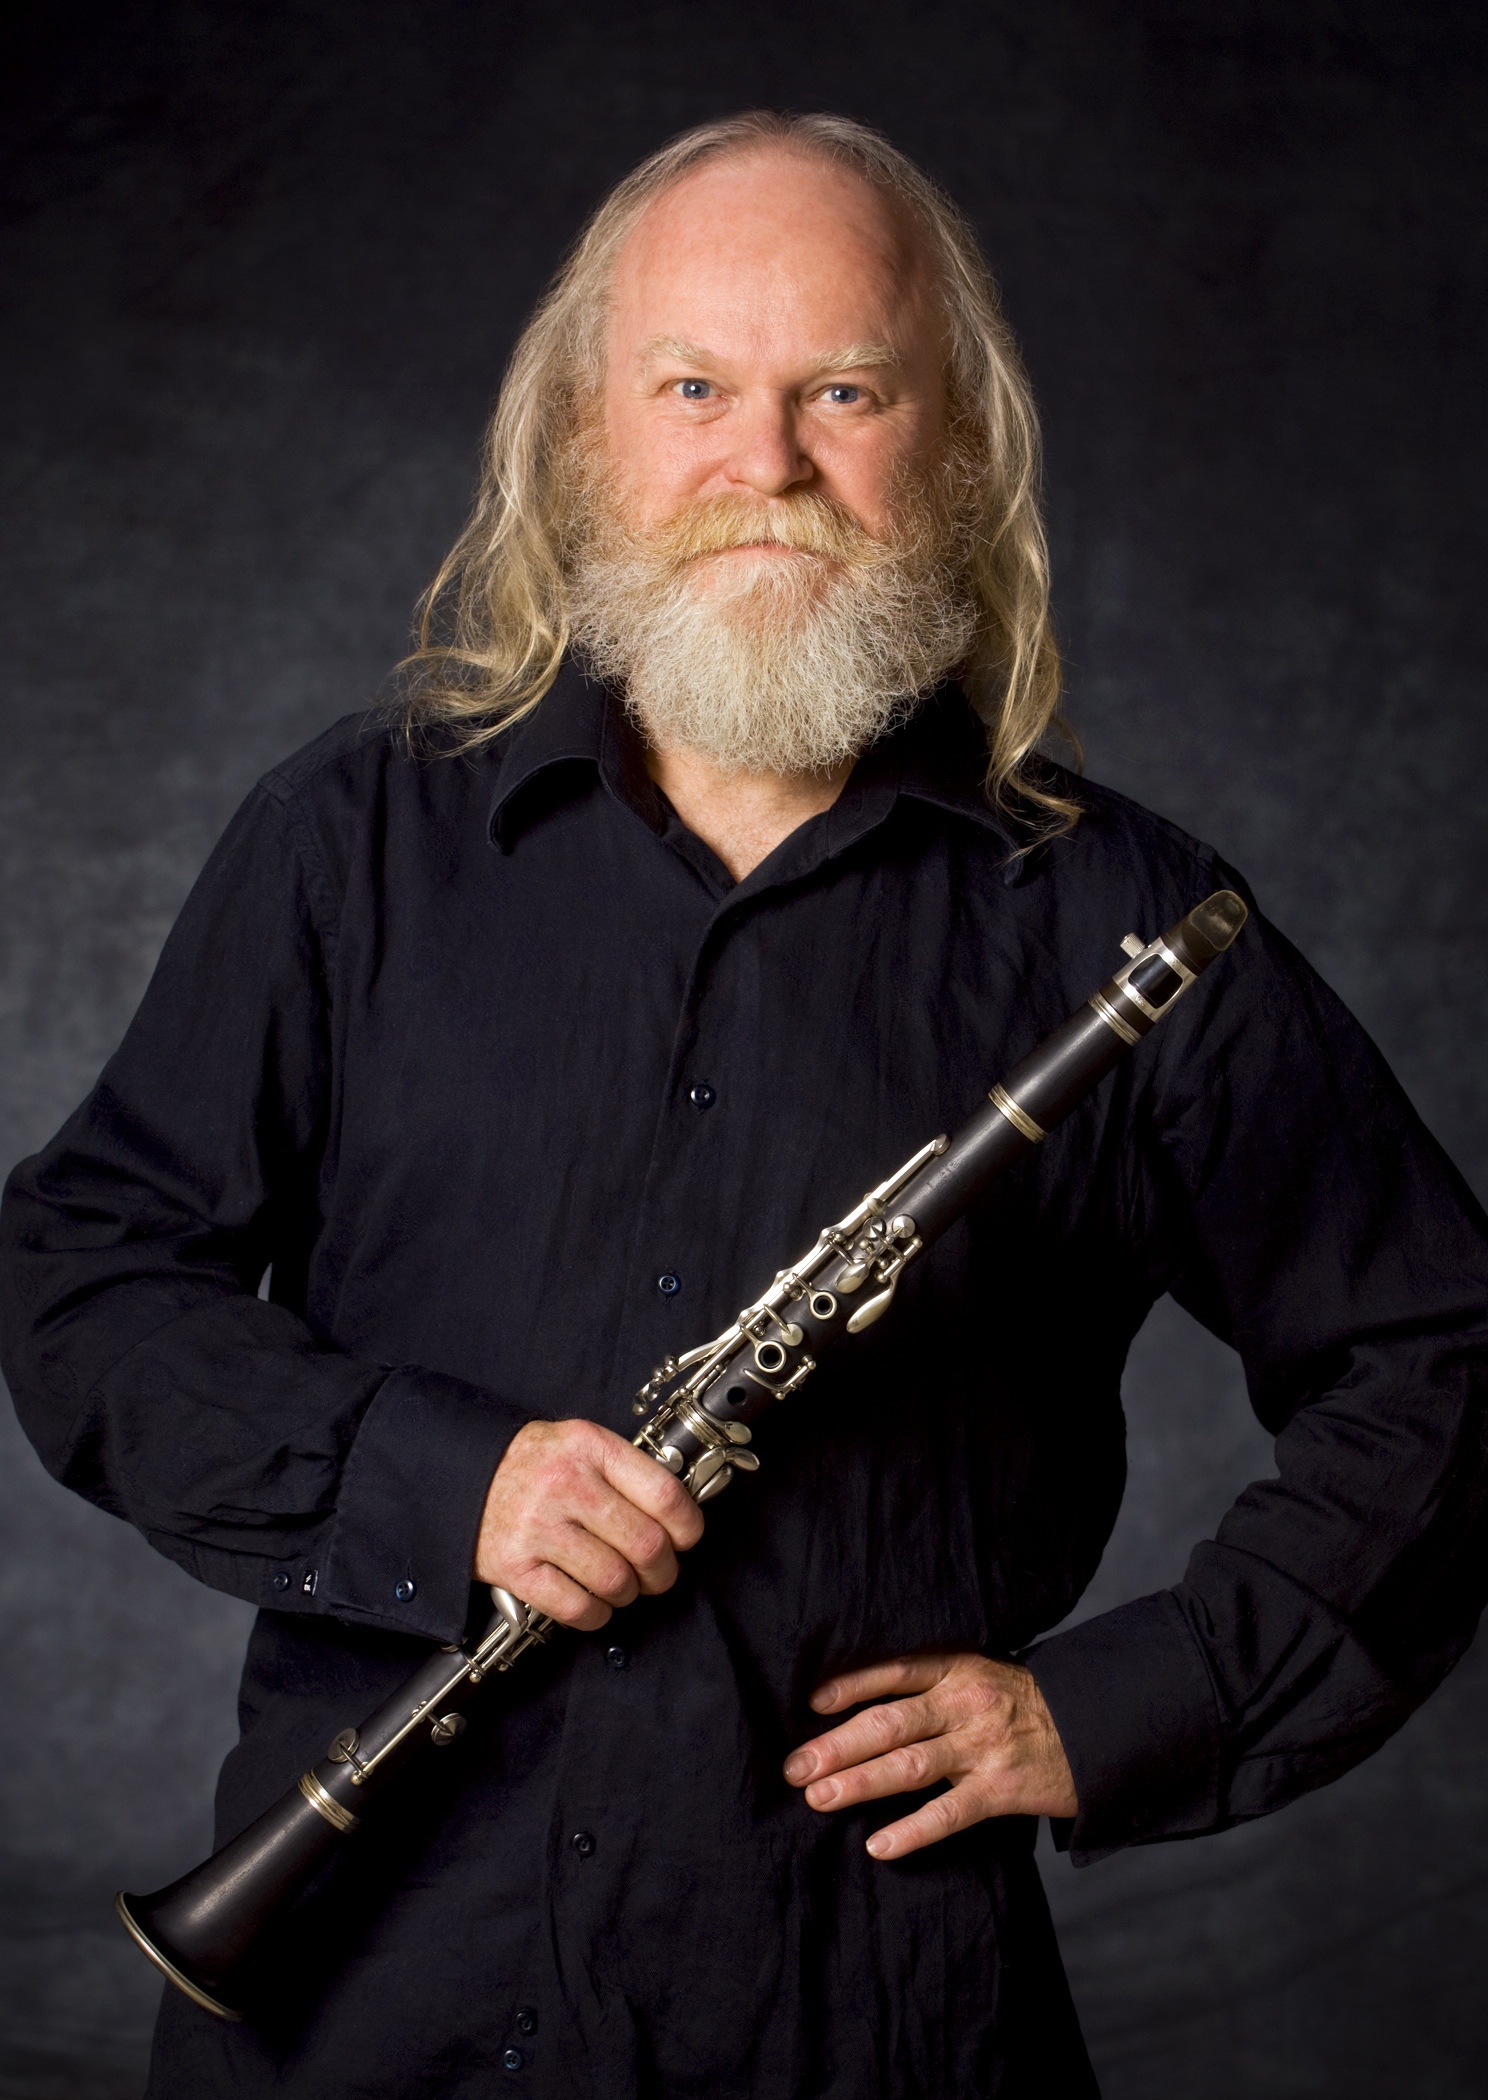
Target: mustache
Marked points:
806	523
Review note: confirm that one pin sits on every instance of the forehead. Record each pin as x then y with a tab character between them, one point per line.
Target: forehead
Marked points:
773	249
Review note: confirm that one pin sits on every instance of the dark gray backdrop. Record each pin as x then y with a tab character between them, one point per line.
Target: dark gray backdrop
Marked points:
261	265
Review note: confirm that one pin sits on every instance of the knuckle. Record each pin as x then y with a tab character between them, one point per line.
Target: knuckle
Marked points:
914	1764
570	1606
582	1442
680	1507
978	1696
613	1581
876	1731
651	1544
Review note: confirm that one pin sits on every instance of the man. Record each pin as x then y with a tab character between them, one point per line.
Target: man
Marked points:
711	870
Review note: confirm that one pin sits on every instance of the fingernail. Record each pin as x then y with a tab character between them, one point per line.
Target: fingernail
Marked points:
823	1702
799	1765
823	1793
878	1846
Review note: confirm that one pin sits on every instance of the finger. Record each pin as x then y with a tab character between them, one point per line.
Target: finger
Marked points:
902	1771
651	1488
576	1552
906	1673
957	1809
601	1511
548	1589
867	1735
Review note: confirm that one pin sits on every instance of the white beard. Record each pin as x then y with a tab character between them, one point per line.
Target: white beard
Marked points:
790	664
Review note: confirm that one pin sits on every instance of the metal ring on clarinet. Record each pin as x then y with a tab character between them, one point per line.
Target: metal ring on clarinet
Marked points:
1021	1121
338	1817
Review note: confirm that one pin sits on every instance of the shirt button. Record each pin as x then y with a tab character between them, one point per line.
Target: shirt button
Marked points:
702	1097
668	1284
617	1658
526	2021
281	1580
404	1591
513	2060
583	1844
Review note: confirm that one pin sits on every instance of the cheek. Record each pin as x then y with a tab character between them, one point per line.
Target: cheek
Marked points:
624	439
878	460
863	475
656	461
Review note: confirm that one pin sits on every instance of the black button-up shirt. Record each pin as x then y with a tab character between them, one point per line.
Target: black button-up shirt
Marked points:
517	1092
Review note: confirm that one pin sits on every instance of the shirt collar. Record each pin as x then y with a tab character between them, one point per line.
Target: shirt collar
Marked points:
564	729
938	757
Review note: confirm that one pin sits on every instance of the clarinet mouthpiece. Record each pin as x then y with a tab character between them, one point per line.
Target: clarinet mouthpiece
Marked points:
1210	927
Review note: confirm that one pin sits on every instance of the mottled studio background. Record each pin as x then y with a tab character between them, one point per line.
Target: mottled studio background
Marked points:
261	264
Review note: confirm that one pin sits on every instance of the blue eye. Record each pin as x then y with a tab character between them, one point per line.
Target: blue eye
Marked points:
694	389
843	396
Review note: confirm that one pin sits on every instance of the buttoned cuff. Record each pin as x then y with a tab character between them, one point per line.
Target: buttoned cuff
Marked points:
1131	1697
408	1510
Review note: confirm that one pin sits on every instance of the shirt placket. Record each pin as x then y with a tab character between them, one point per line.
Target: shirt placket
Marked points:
611	1755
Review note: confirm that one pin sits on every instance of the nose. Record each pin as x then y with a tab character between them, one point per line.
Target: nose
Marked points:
765	455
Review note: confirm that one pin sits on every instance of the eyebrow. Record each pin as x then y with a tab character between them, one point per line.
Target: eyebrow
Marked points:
857	357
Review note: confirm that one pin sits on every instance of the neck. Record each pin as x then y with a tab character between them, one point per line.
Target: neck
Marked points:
742	816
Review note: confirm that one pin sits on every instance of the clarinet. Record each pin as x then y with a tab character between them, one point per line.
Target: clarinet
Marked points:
700	1410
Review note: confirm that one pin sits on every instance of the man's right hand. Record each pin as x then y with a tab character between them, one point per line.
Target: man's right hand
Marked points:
578	1521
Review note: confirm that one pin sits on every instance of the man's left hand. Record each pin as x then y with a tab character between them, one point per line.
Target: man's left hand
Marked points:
982	1725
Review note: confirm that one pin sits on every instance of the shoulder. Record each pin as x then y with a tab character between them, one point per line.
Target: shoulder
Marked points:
357	799
1119	853
372	746
354	751
363	773
1115	833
